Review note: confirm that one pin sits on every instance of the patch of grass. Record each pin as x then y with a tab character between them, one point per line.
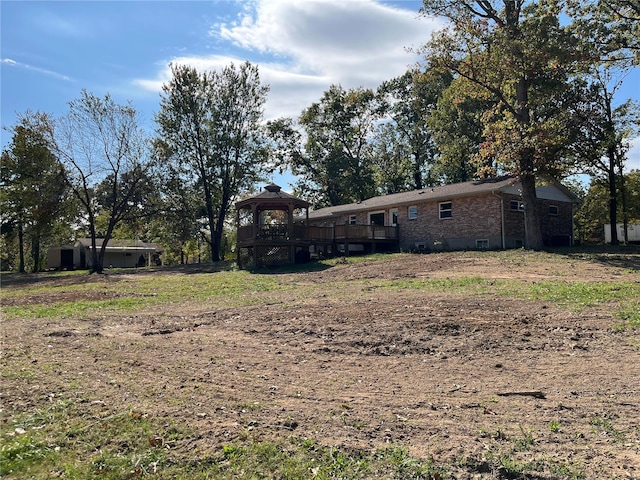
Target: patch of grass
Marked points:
24	452
554	426
67	442
630	316
452	285
567	471
128	295
573	295
75	308
604	426
64	441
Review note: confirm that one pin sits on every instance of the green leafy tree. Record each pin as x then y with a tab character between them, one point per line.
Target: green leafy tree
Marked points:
602	135
612	27
594	209
333	166
589	217
632	181
608	35
182	205
33	195
144	203
410	100
390	153
517	56
457	130
106	163
211	124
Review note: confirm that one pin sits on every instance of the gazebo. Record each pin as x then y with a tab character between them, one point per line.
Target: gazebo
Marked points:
270	229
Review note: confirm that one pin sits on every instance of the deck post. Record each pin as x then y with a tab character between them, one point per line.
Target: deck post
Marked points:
346	238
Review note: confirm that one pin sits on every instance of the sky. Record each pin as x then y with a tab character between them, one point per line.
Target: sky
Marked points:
52	50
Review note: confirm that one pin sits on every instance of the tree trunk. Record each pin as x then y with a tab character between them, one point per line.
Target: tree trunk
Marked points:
625	213
533	234
20	247
215	253
613	200
35	253
217	238
96	261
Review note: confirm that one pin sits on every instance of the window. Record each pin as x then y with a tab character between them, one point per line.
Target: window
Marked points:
413	212
376	218
446	210
553	210
394	217
352	219
482	244
517	205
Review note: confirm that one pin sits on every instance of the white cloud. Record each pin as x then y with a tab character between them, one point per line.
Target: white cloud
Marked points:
301	48
356	42
26	66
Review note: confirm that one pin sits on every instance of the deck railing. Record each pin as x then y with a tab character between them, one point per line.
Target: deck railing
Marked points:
345	232
365	232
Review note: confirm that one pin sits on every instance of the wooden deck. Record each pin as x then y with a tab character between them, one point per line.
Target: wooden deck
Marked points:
312	235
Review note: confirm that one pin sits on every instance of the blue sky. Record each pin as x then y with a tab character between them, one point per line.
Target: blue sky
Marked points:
51	50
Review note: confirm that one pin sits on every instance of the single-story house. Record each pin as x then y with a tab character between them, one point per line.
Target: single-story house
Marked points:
481	214
118	254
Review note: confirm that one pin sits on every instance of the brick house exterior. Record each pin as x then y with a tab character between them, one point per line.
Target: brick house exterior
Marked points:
484	214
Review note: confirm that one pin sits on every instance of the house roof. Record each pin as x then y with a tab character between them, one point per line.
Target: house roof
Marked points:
119	245
505	184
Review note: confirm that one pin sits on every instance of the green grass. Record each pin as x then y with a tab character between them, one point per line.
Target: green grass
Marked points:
142	291
125	294
575	296
572	295
66	441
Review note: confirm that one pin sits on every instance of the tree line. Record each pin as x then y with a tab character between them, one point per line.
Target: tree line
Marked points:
516	87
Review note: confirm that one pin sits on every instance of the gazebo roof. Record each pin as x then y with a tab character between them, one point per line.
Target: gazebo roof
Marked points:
272	197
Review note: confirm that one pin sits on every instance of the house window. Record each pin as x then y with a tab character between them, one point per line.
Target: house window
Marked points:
553	210
517	205
482	244
413	212
446	210
394	217
352	219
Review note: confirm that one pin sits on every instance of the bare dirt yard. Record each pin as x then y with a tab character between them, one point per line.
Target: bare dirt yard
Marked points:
446	355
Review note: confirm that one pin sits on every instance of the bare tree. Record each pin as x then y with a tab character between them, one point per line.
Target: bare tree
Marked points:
103	150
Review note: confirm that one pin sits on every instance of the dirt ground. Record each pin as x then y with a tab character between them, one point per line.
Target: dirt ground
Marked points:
459	378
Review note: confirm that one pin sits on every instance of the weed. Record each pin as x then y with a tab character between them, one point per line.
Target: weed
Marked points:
566	471
511	466
604	426
554	426
525	442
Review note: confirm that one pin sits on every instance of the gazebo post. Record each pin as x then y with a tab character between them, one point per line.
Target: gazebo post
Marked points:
290	233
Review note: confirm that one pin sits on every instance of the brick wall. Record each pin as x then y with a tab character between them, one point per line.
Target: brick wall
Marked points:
472	218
